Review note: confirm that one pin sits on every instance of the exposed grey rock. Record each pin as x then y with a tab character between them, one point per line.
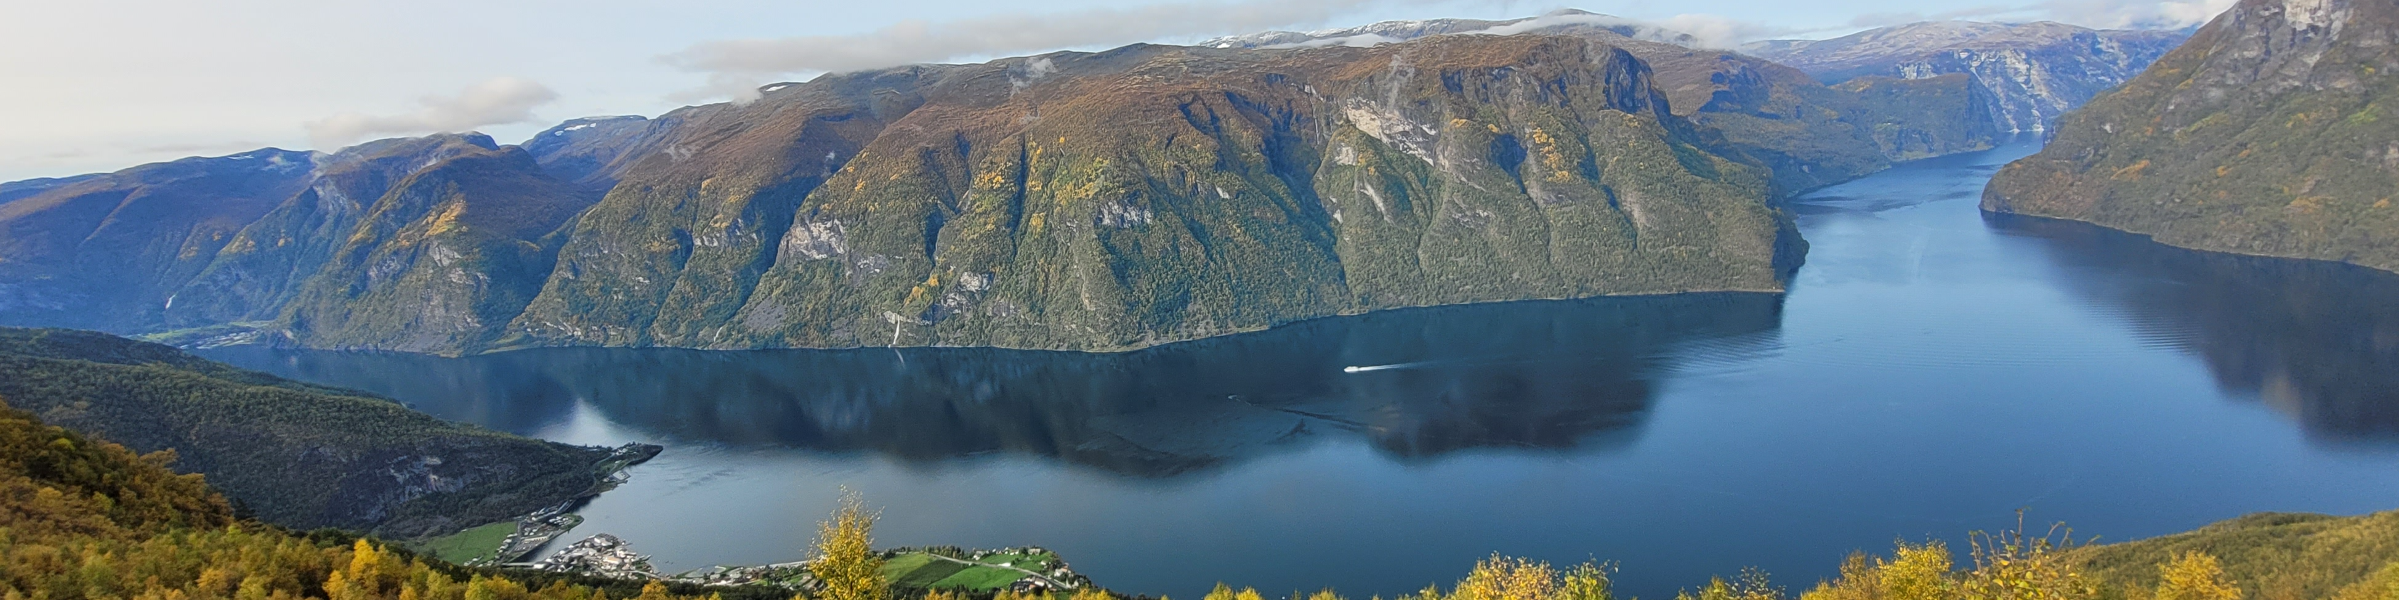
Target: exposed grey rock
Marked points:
2036	71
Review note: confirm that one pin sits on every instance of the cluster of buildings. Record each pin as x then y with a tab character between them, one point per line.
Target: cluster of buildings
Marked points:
603	555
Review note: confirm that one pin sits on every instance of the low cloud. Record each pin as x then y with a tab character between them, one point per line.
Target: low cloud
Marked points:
736	67
1707	31
495	101
2101	14
2169	14
199	149
1724	33
1903	18
1363	40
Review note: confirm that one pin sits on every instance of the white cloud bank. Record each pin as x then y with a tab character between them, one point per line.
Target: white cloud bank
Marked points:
1704	30
736	67
1721	32
2169	14
495	101
2100	14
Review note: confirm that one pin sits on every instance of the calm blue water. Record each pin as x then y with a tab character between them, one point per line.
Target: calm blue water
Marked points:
1931	371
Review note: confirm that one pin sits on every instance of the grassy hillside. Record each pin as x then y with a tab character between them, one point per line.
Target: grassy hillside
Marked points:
298	455
2272	556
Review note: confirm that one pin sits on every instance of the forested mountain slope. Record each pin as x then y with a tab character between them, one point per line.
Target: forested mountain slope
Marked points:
299	455
1148	194
2270	133
1089	201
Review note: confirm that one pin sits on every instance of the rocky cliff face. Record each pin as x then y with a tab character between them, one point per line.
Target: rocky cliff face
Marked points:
1075	200
2034	71
1807	134
2269	133
263	266
441	259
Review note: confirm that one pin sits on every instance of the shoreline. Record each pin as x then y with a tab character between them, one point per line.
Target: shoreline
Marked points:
253	340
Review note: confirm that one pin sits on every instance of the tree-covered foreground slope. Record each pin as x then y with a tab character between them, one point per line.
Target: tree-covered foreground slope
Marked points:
85	518
2270	556
2271	132
1092	201
298	455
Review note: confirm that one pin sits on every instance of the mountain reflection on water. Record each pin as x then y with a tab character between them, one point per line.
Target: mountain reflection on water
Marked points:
1931	372
2318	341
1414	383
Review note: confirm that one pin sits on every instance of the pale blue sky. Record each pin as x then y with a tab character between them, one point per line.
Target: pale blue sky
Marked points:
98	85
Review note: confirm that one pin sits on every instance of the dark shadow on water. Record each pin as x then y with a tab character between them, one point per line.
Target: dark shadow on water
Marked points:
2315	340
1417	383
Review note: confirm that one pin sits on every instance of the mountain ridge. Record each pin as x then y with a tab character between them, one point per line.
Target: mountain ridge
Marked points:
2035	71
948	120
1090	201
1808	134
1073	200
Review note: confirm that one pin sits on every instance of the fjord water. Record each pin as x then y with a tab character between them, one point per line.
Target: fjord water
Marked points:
1931	371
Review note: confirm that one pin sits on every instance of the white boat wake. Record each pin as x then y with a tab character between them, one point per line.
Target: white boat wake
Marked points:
1366	368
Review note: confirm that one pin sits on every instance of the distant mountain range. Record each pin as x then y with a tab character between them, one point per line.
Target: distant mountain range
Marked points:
2035	71
1088	201
1807	133
2032	72
2270	133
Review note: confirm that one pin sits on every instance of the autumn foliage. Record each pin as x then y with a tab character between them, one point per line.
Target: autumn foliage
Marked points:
84	518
